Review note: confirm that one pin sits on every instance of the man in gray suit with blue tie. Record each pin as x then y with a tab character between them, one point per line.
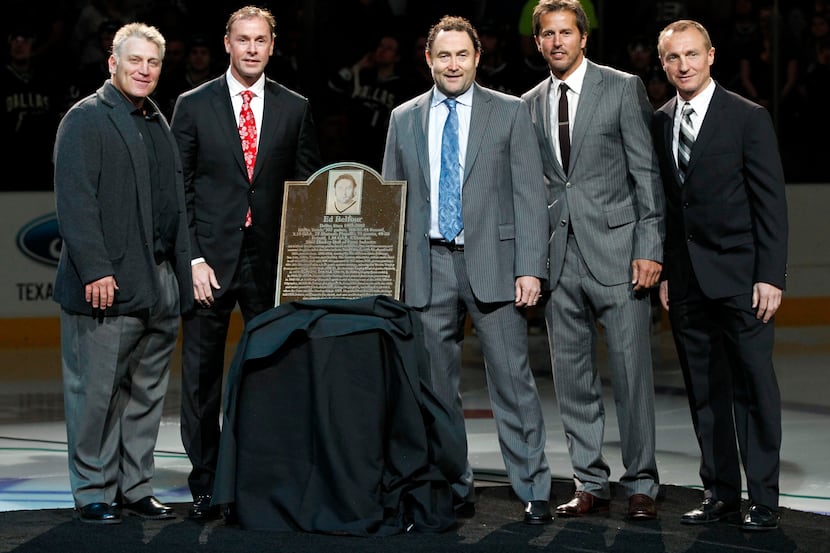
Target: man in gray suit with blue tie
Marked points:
606	208
475	243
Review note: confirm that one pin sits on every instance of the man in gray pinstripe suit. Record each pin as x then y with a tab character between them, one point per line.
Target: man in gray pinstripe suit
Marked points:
492	268
606	210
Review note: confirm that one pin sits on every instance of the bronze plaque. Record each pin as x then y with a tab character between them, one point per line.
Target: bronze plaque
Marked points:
341	235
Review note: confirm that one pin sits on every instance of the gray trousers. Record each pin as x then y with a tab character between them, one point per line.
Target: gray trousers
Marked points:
115	372
502	331
577	304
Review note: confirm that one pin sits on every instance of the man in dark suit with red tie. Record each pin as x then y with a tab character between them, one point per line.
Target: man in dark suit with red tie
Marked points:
725	269
241	137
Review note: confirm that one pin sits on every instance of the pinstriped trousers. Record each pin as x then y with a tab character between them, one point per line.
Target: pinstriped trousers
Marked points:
576	306
502	331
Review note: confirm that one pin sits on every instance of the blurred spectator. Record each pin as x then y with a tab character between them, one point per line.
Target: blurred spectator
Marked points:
284	66
30	116
756	63
740	34
368	90
197	67
86	34
496	68
90	76
658	88
366	21
175	56
641	61
758	83
416	69
817	31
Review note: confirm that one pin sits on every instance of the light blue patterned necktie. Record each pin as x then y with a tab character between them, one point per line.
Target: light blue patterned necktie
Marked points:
449	182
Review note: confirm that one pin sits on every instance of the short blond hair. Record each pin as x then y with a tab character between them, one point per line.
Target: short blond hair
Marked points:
137	30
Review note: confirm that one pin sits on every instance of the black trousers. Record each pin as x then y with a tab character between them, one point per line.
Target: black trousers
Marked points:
204	335
726	357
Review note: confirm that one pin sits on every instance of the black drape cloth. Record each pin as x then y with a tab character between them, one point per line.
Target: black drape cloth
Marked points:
330	425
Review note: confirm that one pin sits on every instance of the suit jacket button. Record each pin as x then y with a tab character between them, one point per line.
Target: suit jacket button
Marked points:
685	205
691	237
562	223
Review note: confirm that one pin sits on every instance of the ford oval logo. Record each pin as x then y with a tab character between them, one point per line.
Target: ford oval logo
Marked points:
40	240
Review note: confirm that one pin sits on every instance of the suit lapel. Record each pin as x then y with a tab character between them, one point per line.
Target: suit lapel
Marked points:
226	121
122	118
269	131
708	127
668	128
480	115
589	98
541	107
420	132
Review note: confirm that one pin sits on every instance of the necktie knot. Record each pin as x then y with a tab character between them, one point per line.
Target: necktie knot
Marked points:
246	97
563	88
450	103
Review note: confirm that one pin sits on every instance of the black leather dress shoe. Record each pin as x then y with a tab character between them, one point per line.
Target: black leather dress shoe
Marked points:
537	512
151	508
99	513
760	517
203	510
712	511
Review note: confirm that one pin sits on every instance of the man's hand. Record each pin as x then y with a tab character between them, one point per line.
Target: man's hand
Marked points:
766	298
664	294
528	290
645	273
204	282
101	293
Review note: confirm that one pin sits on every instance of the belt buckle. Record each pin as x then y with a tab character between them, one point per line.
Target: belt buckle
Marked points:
451	245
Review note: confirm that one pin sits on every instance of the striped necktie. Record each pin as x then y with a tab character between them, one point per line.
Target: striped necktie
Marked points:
685	141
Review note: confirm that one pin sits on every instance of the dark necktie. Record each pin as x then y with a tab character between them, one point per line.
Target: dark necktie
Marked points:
449	181
686	140
247	134
564	127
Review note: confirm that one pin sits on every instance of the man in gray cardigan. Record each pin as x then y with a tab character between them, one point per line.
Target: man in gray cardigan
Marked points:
122	280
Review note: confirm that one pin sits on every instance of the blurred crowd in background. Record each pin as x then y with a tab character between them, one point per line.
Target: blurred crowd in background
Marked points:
357	59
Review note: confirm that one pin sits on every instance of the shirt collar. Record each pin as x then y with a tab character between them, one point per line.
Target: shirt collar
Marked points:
236	88
575	79
699	103
465	99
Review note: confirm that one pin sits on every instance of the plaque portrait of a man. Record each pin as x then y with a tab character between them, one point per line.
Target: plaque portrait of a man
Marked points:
344	195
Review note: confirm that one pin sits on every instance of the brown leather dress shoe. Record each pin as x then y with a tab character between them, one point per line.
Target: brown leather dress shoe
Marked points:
582	504
641	507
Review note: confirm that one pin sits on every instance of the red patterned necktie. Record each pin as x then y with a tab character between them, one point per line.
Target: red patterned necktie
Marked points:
247	134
